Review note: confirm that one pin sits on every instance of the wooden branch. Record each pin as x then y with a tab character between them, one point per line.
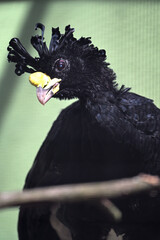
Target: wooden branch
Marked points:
81	192
113	212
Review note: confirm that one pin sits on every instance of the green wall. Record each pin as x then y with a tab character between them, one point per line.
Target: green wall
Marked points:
128	30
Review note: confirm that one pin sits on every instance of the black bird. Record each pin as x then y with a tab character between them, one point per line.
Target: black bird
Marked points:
109	133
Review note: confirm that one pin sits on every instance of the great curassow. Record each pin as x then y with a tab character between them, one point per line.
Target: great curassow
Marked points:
109	133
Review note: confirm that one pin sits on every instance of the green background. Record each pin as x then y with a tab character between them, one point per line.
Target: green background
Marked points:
128	30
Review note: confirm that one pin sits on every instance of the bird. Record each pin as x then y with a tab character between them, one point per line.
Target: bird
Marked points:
108	132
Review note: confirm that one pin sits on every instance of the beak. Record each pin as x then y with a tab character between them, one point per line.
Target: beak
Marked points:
44	94
46	87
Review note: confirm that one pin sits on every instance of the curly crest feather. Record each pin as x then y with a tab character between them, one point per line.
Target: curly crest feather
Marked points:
26	63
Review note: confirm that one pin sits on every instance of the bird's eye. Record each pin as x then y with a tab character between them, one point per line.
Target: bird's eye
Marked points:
60	65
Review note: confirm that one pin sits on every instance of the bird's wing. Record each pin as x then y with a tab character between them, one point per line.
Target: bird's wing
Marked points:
134	121
142	113
144	117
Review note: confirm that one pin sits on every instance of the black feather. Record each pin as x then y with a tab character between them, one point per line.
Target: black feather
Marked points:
58	41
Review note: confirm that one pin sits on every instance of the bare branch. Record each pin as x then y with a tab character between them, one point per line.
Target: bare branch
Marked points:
112	210
81	192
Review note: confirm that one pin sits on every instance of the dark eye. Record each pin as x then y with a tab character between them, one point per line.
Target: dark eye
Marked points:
60	65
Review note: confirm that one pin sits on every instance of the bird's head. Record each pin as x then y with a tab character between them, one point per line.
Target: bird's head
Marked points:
69	68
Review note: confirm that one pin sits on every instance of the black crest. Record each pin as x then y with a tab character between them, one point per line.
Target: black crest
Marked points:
26	63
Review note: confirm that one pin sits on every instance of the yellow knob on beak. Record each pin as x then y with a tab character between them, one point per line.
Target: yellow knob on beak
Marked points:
39	79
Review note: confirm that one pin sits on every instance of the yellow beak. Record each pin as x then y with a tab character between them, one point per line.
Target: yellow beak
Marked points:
46	87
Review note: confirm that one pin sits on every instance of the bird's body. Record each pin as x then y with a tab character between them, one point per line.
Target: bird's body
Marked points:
107	134
85	137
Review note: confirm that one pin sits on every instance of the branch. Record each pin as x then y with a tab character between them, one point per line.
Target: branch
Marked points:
112	211
81	192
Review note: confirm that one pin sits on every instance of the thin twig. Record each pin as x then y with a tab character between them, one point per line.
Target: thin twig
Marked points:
81	192
112	210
